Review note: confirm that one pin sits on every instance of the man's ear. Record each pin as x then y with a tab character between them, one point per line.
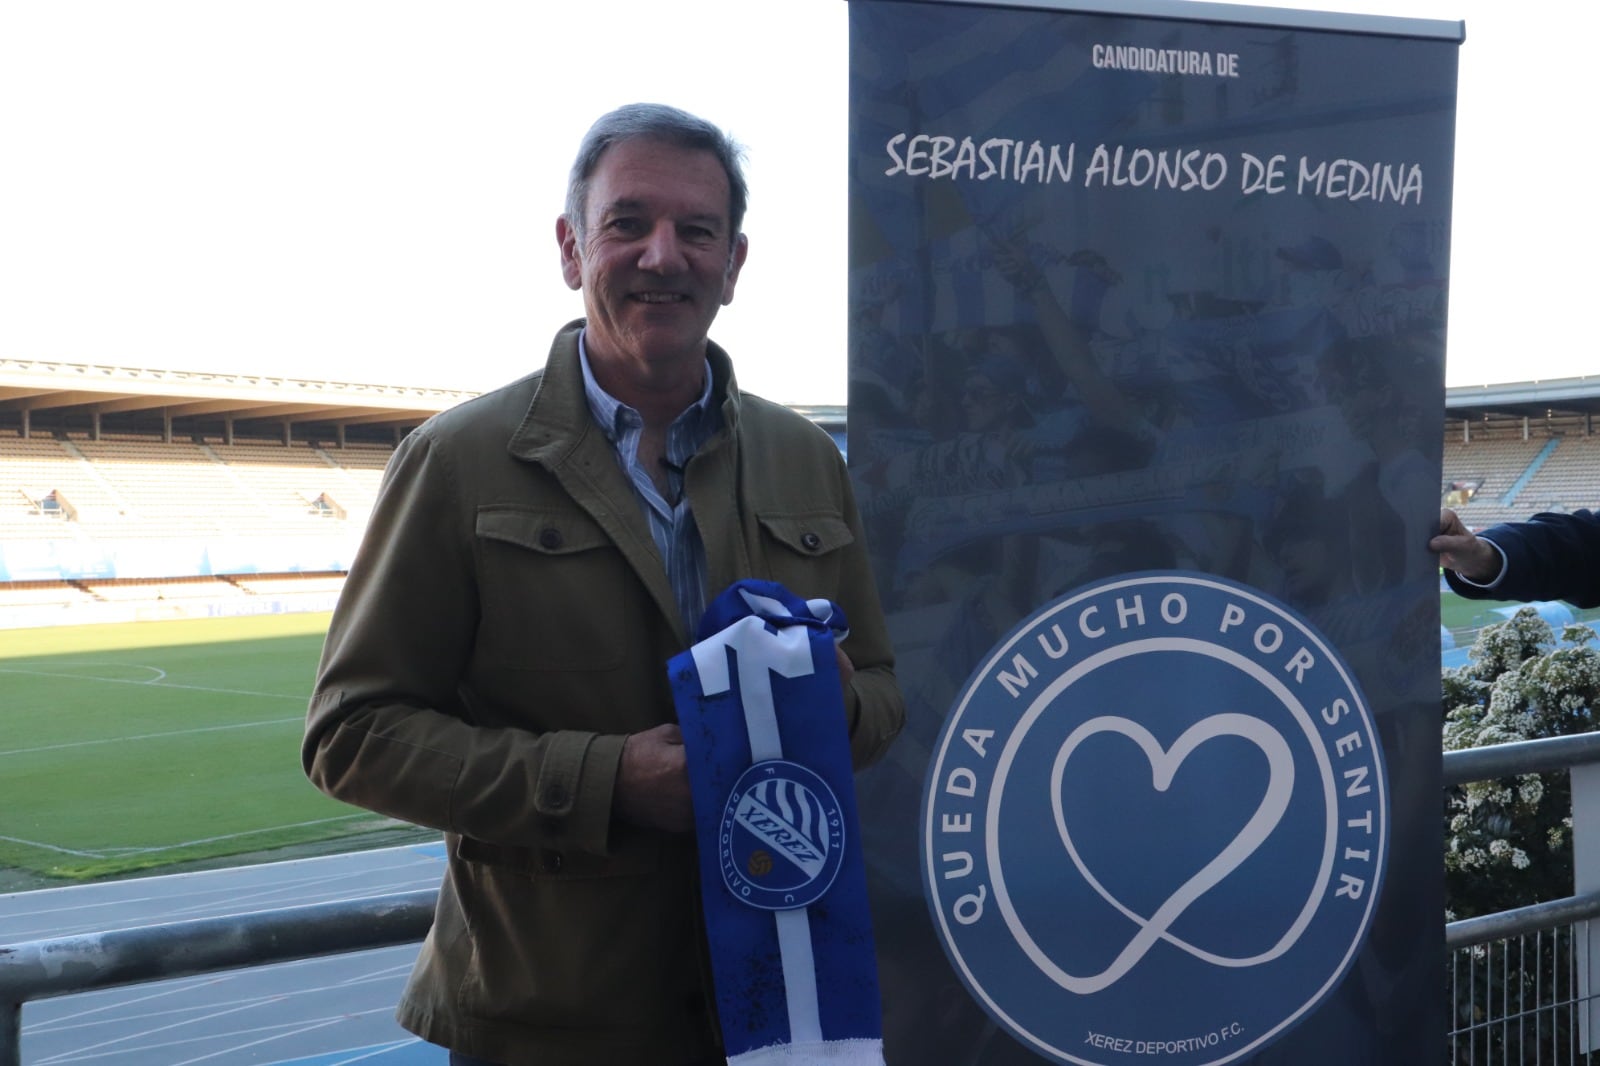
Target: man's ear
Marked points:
571	261
741	248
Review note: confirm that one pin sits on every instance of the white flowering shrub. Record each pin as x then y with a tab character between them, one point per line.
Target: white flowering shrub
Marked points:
1508	843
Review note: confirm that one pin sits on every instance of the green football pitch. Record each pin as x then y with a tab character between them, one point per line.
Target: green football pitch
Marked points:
131	747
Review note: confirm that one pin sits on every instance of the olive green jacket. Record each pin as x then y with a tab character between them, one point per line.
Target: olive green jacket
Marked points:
506	622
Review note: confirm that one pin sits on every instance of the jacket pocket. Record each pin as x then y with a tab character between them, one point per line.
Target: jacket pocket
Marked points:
551	582
603	943
802	550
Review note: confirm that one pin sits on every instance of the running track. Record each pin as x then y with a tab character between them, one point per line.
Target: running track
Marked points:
319	1012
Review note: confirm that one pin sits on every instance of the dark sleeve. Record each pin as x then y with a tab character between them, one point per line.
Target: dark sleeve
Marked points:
1548	557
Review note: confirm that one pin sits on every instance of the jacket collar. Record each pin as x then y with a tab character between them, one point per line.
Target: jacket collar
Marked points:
558	417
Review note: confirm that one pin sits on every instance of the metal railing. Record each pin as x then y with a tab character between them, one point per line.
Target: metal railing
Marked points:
1519	979
1545	755
1522	1000
42	969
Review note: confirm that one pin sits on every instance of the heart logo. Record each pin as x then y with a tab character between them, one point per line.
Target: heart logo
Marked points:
1164	766
1276	799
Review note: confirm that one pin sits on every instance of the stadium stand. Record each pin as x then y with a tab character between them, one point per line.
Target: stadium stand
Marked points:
1511	450
149	488
131	493
128	493
1482	472
1566	481
142	529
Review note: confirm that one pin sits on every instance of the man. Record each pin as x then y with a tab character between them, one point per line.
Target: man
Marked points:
1548	557
496	667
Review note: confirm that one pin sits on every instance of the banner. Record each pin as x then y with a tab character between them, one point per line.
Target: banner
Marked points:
1146	400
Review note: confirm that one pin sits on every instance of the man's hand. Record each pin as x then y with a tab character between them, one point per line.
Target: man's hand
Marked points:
1461	550
653	781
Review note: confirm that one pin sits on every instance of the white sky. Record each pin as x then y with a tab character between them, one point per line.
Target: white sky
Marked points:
365	190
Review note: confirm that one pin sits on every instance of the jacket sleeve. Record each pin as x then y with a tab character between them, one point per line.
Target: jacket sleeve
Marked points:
1548	557
389	727
874	704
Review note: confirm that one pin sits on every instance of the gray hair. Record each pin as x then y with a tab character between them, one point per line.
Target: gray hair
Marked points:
664	123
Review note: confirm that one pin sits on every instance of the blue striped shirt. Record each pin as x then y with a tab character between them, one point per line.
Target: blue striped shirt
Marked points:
677	538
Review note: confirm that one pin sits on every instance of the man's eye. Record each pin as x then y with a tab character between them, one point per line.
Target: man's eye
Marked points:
625	225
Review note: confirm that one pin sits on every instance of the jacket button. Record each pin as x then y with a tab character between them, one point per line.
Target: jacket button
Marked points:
551	862
550	538
555	797
811	541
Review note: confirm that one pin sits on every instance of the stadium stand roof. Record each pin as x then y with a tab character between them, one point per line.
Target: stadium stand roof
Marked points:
1561	405
45	398
42	398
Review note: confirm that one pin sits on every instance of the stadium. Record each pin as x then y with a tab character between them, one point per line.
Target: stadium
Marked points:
136	494
227	508
170	546
269	202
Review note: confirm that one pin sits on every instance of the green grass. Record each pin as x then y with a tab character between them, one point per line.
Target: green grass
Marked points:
1458	614
1465	617
132	747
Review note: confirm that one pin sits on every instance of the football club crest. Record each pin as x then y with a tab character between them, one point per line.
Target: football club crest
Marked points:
782	837
1155	823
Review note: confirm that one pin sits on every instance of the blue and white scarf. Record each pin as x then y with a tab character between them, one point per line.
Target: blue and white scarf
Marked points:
765	732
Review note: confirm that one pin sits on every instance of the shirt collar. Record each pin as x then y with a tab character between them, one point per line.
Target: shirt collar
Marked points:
614	417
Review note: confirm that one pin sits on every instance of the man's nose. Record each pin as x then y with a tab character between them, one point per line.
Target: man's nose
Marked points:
662	251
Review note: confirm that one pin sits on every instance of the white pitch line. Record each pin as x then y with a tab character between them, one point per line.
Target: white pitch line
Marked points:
118	852
185	1014
208	902
156	684
183	1042
299	893
235	836
210	1015
84	1019
378	1049
80	1019
382	973
79	663
52	847
321	1023
151	736
212	1012
395	858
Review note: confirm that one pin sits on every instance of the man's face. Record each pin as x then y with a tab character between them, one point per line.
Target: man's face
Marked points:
657	258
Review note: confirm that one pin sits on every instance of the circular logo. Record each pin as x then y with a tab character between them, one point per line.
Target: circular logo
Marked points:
782	837
1155	823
